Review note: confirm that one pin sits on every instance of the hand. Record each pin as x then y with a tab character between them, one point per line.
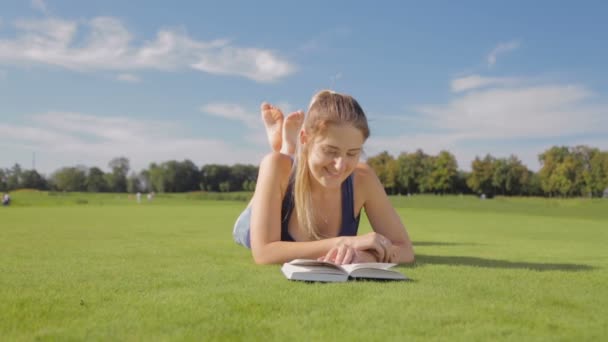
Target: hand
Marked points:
376	244
364	256
357	256
341	254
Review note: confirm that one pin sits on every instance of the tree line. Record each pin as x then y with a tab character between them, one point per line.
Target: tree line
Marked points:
565	172
170	176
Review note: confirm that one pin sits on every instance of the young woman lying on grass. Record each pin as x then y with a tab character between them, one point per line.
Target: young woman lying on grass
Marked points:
310	208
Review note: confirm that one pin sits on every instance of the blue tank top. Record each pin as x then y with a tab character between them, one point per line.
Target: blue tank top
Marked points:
350	224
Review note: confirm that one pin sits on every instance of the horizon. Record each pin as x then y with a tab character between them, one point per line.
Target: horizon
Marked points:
81	84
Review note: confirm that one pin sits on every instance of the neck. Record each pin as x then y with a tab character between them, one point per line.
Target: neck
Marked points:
319	191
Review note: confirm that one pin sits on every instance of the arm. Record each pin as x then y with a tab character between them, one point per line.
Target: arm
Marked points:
265	226
382	216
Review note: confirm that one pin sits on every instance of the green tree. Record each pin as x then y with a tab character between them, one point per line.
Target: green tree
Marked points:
561	179
156	177
482	174
70	179
532	186
133	183
213	175
517	176
443	173
598	173
144	180
385	167
499	176
13	179
31	179
411	168
117	179
241	176
95	181
460	183
550	161
3	180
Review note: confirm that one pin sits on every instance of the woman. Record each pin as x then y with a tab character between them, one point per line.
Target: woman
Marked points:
310	208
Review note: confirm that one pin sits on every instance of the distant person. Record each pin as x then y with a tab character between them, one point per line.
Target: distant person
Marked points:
150	196
138	197
310	207
6	200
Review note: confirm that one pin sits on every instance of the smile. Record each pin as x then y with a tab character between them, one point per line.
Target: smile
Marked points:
332	174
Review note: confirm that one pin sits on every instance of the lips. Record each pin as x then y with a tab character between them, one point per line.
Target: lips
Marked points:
332	174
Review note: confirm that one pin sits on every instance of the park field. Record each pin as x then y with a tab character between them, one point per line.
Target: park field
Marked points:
103	267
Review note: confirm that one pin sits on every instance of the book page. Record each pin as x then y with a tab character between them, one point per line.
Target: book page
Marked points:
375	265
312	262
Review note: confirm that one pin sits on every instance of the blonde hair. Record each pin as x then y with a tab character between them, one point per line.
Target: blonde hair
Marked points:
326	108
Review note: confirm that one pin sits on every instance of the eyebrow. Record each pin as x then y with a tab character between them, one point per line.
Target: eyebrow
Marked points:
337	148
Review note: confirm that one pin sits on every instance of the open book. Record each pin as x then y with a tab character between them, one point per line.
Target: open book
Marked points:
314	270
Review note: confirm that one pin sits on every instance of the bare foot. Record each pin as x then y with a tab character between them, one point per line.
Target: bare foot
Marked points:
291	129
273	121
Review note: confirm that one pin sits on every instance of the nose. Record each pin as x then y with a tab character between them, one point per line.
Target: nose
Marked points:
339	164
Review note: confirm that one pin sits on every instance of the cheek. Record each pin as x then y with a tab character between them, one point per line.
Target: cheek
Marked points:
352	163
318	157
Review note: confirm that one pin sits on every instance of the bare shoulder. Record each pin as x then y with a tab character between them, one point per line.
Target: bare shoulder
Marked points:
276	160
364	173
364	178
276	166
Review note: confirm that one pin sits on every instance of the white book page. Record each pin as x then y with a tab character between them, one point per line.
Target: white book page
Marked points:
376	265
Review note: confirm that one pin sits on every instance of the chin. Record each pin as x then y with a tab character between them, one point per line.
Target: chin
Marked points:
331	181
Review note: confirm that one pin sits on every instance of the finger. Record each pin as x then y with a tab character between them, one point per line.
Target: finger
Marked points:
385	245
340	254
380	251
349	256
387	254
330	255
389	250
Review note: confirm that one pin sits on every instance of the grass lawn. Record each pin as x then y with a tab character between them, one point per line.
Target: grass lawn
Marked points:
101	267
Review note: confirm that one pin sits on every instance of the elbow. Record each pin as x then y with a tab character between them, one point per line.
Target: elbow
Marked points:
260	257
407	256
404	254
260	260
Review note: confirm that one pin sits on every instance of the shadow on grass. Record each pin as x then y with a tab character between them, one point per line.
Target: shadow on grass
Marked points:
421	260
439	243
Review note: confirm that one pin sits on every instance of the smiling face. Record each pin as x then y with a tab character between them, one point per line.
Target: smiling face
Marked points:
334	155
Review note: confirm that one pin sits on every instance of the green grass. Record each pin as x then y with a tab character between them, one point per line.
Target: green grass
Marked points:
110	269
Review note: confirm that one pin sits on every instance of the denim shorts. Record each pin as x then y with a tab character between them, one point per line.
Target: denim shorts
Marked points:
240	233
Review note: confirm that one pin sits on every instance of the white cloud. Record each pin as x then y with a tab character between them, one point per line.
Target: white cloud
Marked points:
501	49
130	78
108	45
68	139
535	111
475	81
256	64
523	120
236	112
232	111
39	5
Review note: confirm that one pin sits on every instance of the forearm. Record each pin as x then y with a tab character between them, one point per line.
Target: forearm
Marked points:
278	252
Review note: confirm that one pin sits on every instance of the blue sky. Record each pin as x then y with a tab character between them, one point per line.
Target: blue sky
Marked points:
83	82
